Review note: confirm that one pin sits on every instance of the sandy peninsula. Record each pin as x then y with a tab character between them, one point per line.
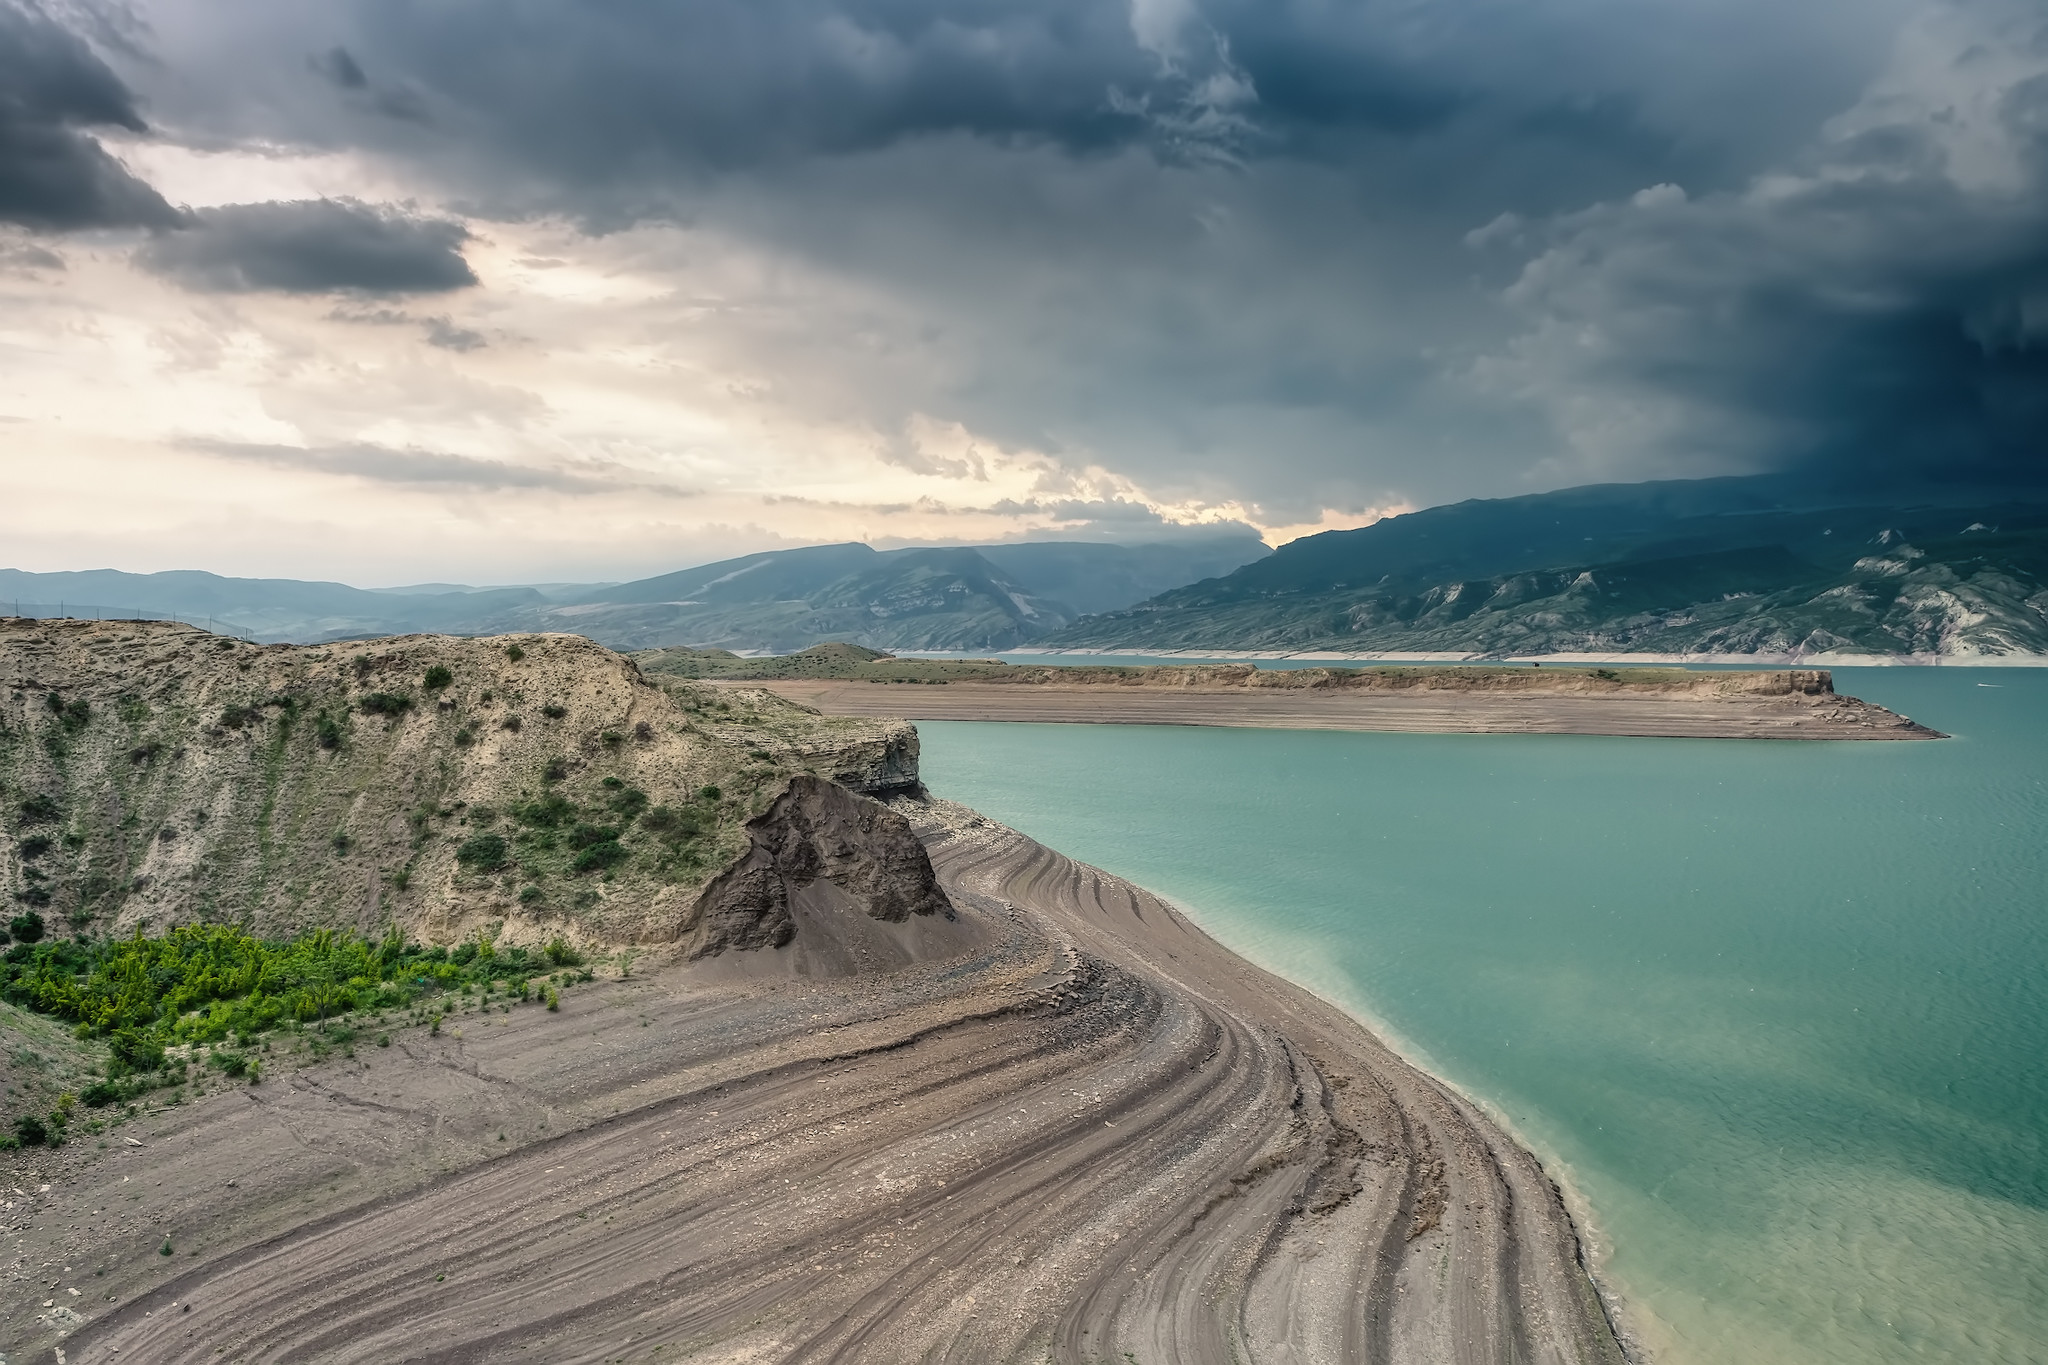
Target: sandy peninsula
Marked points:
1671	702
1056	1122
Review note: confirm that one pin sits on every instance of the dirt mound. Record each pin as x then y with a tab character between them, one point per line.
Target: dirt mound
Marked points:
817	839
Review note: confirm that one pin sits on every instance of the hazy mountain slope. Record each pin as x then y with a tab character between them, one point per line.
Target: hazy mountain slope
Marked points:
1979	594
1093	578
781	599
1744	566
267	608
771	576
904	599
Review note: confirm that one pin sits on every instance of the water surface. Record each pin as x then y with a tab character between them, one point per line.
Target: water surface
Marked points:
1777	1012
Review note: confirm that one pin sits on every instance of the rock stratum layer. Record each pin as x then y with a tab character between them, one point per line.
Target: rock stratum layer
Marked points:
1059	1125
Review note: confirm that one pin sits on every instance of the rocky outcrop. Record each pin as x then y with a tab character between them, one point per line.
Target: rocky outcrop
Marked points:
530	786
816	832
881	761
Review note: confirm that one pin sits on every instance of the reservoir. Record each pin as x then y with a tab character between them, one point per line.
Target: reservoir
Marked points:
1774	1013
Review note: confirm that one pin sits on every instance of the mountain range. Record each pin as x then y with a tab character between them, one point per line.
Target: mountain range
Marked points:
1753	566
979	598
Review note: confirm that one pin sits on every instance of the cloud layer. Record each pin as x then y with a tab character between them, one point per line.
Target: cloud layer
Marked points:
53	174
924	270
311	246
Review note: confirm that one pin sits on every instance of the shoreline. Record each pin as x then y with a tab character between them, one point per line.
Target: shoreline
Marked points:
1595	1244
1784	659
1413	710
1068	1125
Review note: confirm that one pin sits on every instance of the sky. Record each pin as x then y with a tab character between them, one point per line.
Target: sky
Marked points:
521	291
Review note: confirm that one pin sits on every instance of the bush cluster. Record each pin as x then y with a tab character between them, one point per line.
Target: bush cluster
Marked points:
208	983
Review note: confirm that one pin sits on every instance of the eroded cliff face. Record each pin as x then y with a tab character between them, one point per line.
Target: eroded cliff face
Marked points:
153	774
816	832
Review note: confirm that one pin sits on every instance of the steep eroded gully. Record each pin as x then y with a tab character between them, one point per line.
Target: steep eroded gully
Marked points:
1063	1125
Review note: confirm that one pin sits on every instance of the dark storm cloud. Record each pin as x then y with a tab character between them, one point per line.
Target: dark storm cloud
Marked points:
1878	315
312	246
1220	246
53	174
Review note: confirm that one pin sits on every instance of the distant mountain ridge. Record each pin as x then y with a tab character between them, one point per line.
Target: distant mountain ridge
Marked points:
987	597
1724	566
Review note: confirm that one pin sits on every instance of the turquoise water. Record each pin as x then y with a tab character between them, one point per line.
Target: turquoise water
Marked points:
1776	1013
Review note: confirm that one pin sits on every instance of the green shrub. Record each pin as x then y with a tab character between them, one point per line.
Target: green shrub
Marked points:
612	737
531	895
629	802
385	704
465	737
28	926
555	771
544	813
483	853
327	730
554	711
512	723
709	794
130	1050
560	954
73	716
30	1132
437	678
235	717
35	846
514	653
609	853
554	999
584	835
40	810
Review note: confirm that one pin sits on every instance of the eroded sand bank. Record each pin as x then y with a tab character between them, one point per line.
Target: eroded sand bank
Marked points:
1064	1126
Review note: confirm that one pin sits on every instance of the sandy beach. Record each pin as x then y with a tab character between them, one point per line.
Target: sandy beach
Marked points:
1672	714
1063	1124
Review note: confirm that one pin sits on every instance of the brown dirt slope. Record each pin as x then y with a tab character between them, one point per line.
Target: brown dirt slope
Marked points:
1062	1126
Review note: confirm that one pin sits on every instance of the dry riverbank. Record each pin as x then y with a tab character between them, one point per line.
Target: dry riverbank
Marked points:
1568	707
1061	1125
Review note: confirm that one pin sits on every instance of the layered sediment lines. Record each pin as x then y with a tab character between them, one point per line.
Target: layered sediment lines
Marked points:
1436	711
1069	1128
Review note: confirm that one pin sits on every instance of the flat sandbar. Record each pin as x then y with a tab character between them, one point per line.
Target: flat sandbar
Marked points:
1790	704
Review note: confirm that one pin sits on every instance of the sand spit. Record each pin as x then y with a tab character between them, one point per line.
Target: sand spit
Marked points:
1062	1125
1673	714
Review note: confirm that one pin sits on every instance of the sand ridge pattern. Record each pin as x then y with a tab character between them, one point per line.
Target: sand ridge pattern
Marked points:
1076	1130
